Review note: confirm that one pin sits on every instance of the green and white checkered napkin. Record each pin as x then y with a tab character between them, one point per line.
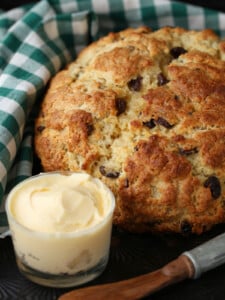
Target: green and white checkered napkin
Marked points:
37	40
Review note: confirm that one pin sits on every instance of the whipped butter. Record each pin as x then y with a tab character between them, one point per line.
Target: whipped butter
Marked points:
60	203
61	224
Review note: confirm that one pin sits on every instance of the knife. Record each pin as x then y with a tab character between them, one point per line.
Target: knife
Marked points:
190	264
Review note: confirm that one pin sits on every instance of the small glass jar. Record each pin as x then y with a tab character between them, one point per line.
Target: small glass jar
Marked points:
61	256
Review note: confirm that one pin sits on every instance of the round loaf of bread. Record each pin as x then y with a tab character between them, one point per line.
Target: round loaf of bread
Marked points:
144	111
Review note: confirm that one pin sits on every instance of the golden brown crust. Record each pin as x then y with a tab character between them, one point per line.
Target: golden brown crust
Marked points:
144	111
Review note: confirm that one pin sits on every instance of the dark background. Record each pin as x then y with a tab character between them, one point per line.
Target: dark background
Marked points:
129	254
214	4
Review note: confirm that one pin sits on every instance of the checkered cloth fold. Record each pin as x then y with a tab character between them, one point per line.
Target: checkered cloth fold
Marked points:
38	40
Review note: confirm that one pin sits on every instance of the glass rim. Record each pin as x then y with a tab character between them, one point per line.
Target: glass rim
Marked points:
69	234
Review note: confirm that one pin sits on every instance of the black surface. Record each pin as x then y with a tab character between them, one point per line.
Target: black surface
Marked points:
130	254
216	4
9	4
213	4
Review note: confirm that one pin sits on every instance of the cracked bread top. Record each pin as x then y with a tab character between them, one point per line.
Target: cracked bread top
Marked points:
145	112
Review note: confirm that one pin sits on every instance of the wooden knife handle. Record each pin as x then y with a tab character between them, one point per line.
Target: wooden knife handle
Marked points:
137	287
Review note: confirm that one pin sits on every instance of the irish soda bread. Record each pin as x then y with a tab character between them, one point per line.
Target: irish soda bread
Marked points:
145	112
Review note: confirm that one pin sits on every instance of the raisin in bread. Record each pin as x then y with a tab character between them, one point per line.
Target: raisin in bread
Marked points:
144	111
